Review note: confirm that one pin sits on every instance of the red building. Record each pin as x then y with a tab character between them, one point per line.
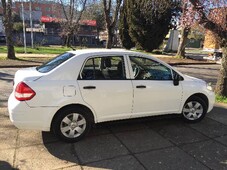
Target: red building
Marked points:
46	16
87	34
46	8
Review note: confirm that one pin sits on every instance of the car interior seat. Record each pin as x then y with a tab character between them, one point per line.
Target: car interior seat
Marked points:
105	66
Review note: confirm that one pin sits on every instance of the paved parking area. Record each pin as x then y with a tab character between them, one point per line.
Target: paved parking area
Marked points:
150	143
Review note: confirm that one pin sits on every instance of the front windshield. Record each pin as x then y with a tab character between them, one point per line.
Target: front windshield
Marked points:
53	63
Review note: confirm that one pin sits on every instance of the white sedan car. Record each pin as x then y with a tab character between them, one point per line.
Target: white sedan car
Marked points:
79	88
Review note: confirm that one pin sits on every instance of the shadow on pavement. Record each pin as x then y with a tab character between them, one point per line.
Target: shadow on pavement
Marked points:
145	142
104	146
6	77
6	166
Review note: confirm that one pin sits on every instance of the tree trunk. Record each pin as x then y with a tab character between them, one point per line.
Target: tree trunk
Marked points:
221	87
182	44
8	24
110	35
67	41
110	19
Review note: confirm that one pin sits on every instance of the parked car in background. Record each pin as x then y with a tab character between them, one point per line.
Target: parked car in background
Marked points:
76	89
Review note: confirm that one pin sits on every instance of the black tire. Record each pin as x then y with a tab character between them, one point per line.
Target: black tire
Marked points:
196	112
65	121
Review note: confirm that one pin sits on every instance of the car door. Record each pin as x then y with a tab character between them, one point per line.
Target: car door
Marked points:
104	86
154	91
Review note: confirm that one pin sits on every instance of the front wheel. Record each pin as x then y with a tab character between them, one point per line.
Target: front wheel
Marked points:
194	109
71	124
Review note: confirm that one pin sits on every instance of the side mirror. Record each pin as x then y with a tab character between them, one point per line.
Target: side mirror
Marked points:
176	79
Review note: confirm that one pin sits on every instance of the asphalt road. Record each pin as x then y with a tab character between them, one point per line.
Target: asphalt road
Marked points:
150	143
209	73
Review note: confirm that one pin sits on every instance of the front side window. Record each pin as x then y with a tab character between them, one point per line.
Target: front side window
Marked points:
104	68
50	65
147	69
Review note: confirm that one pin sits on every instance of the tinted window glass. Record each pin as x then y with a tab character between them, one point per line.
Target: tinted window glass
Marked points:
147	69
104	68
50	65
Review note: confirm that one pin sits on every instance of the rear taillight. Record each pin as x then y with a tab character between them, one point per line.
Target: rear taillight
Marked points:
24	92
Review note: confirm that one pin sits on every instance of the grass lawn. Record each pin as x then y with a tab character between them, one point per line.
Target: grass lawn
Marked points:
196	51
38	50
221	99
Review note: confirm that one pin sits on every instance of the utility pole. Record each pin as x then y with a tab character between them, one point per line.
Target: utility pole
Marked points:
25	47
30	8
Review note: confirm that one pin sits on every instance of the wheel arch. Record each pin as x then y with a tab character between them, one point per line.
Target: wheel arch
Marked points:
201	96
70	106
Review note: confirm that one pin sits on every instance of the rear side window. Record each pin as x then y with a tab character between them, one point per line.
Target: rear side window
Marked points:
104	68
53	63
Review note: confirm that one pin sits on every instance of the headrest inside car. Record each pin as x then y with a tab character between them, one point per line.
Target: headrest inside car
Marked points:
105	63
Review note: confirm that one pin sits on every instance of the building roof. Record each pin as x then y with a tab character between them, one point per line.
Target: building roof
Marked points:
46	19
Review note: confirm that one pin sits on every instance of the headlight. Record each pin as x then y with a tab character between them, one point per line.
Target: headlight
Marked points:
209	87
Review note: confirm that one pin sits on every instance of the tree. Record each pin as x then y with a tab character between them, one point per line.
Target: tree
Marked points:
149	22
111	12
8	24
185	25
124	28
72	11
212	15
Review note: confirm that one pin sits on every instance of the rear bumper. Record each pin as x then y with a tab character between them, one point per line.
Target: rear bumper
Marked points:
25	117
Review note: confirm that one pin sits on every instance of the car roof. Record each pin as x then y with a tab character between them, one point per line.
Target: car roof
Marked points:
101	51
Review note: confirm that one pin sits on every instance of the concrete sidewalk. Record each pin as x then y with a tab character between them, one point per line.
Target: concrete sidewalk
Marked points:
151	143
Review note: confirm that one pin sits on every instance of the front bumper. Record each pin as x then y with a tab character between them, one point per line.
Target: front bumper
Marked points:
211	99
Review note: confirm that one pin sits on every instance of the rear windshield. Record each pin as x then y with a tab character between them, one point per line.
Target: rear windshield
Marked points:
50	65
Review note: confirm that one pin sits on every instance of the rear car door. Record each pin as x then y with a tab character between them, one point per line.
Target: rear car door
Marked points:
104	86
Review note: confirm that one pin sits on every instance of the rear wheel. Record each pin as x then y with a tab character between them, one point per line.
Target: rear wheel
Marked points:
72	124
194	109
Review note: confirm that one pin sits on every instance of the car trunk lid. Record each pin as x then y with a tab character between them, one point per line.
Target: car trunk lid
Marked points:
27	74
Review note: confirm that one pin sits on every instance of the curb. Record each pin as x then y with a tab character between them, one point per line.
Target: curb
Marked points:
18	66
174	64
220	105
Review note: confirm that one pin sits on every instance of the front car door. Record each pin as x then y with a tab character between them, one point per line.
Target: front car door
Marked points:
104	86
154	92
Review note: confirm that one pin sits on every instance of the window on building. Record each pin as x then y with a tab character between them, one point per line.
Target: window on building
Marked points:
47	8
37	8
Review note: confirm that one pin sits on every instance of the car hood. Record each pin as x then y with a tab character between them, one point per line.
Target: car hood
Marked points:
27	74
194	79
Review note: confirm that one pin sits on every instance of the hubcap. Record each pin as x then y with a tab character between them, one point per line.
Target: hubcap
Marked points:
73	125
193	110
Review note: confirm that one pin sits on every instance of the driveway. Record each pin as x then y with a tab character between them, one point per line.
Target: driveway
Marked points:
150	143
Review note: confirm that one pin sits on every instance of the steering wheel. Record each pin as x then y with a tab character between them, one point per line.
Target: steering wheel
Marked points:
136	70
